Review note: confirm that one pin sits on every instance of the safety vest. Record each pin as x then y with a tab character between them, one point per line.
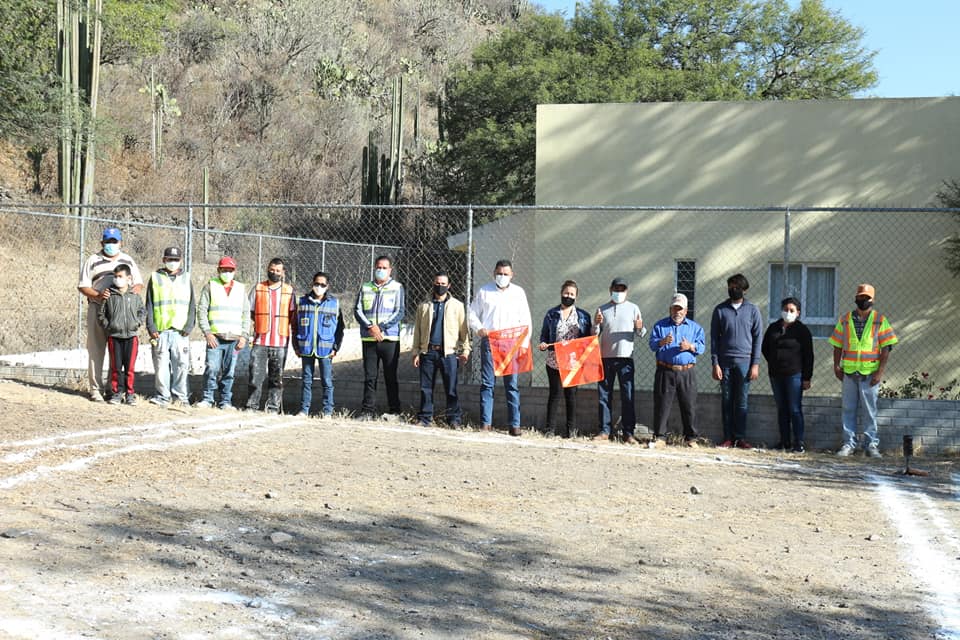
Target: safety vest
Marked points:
226	309
861	354
378	304
316	326
171	300
262	310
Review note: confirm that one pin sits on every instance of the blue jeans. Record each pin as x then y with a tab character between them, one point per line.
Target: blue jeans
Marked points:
220	364
734	390
788	394
487	380
858	392
617	369
326	383
431	363
171	362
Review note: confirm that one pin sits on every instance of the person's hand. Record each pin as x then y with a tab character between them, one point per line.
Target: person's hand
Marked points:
241	343
717	372
462	358
184	333
542	346
754	372
638	323
686	345
375	332
333	354
155	335
876	378
212	341
482	333
666	340
104	295
416	360
838	372
805	385
598	318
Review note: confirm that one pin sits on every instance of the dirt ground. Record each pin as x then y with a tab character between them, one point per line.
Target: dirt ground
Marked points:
139	522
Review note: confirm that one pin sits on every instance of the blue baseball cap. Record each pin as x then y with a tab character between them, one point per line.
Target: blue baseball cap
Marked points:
111	233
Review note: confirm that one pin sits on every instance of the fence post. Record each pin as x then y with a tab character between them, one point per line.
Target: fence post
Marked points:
81	299
469	254
323	256
188	238
786	254
259	257
373	259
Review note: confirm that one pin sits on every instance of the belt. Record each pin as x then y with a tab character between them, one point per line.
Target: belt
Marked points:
434	347
676	367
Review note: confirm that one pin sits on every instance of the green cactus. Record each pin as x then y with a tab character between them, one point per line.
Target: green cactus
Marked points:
382	174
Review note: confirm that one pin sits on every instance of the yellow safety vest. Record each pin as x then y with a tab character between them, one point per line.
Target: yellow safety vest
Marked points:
226	310
861	354
171	300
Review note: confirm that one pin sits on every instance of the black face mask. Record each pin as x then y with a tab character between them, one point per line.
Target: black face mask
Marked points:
273	277
440	289
566	301
735	293
864	304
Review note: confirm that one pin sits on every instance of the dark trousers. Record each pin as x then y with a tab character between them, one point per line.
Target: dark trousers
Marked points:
617	369
266	367
788	393
431	363
374	353
123	355
553	404
682	385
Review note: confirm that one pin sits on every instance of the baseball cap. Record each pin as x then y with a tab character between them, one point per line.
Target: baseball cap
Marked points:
111	233
678	300
226	262
865	290
618	282
172	252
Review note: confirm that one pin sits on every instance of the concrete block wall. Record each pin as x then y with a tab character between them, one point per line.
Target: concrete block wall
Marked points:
934	424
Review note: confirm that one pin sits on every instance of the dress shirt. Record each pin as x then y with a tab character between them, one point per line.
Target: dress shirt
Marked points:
672	354
494	308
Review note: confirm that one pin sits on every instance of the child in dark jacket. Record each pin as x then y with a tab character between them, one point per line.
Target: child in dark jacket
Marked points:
121	315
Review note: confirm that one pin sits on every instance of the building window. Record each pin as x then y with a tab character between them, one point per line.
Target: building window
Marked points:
684	281
815	286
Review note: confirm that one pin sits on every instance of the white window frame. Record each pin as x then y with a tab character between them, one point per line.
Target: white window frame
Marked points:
818	321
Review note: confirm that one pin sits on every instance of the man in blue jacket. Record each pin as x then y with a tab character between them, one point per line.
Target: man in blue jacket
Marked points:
319	334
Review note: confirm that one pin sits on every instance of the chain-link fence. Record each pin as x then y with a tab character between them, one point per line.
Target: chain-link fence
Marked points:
815	254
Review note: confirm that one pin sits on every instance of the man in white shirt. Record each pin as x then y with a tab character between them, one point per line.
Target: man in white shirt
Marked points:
499	305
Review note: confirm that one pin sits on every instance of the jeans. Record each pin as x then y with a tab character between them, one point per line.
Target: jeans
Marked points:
266	366
487	382
617	369
431	363
734	390
171	362
374	353
220	364
858	392
553	404
326	383
788	394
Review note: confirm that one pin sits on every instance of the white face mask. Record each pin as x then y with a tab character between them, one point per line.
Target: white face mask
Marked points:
319	290
502	280
226	276
618	296
172	265
789	316
119	283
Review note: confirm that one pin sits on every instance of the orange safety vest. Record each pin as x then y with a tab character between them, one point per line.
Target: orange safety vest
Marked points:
262	311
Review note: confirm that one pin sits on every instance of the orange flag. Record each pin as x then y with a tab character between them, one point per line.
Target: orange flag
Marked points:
510	354
579	361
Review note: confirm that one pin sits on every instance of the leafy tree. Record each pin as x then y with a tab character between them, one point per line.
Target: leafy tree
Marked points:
27	79
632	51
949	196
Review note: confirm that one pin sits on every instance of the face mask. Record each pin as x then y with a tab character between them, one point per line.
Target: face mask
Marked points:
273	277
864	304
111	249
226	276
381	274
319	290
566	301
735	293
172	266
440	289
119	283
789	316
502	280
618	297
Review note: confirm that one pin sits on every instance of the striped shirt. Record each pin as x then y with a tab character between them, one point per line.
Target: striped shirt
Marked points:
97	272
273	338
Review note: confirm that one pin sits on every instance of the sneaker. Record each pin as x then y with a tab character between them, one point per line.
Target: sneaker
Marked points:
227	407
691	442
95	396
873	452
117	399
726	444
656	443
160	402
204	404
601	437
743	444
629	439
302	414
130	399
845	451
799	448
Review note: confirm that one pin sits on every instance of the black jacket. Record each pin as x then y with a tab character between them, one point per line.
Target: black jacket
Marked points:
788	352
122	314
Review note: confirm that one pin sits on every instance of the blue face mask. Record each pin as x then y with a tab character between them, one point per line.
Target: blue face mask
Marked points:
381	274
111	249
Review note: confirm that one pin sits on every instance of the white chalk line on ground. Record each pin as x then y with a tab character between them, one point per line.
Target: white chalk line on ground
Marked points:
929	562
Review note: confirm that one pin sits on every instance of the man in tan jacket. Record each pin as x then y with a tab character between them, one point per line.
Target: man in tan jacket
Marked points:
441	342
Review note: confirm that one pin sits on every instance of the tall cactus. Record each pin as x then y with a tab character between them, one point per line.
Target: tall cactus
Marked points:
383	175
79	32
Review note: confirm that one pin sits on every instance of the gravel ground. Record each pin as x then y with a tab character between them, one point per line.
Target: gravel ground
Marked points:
139	522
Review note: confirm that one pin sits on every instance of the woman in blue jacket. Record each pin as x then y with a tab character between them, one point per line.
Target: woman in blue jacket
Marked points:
563	322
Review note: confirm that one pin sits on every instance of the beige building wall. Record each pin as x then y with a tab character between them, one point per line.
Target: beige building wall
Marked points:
813	153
